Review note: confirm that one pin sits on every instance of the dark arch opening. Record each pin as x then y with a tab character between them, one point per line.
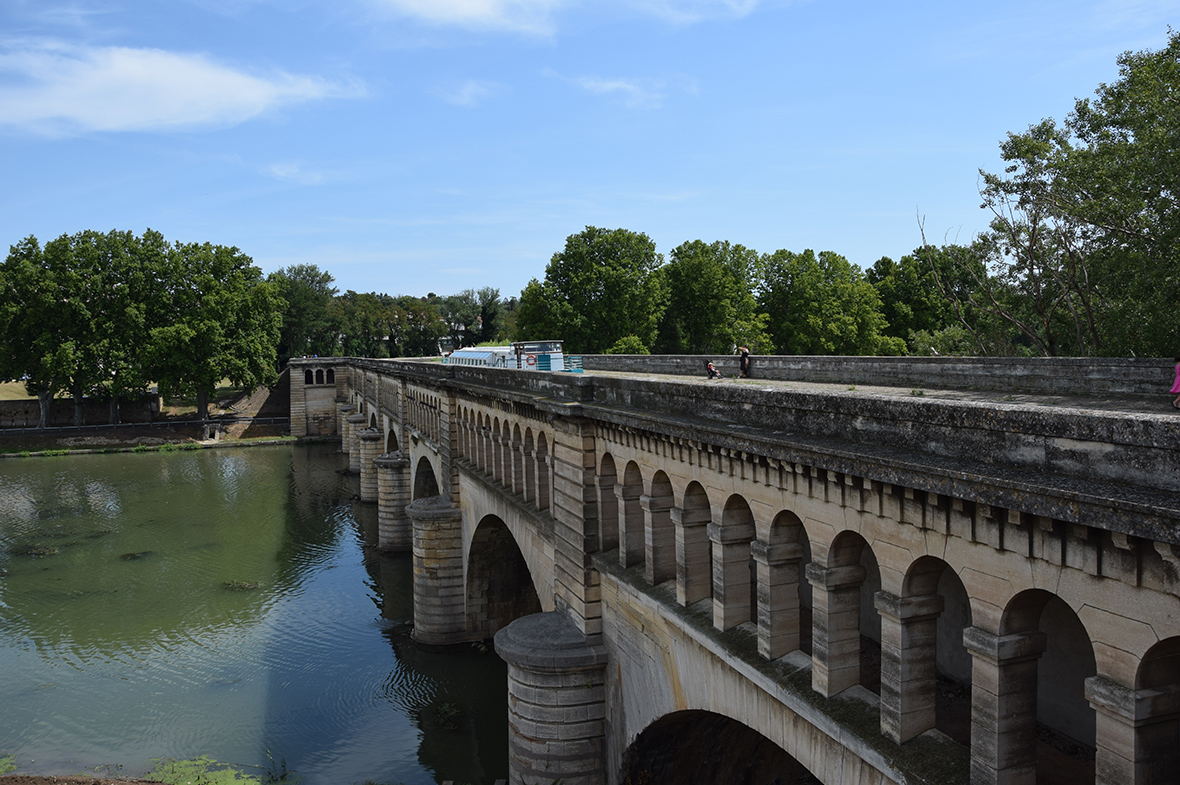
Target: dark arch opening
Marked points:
499	586
307	377
1065	728
425	484
702	748
331	376
319	376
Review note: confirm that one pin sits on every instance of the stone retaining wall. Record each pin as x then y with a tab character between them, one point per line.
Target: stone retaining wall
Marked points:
95	411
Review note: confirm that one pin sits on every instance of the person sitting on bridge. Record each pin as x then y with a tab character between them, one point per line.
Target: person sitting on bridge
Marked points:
712	370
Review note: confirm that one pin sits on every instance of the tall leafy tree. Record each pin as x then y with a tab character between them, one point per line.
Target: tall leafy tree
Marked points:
601	288
711	306
217	319
308	328
32	321
1084	246
821	304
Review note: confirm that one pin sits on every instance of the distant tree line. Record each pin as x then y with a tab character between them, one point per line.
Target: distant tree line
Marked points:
318	321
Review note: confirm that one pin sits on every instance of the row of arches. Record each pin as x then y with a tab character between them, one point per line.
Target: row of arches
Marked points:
319	376
517	458
817	589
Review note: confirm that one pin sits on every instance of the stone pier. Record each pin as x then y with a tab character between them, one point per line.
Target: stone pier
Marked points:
370	440
351	443
440	615
556	701
394	532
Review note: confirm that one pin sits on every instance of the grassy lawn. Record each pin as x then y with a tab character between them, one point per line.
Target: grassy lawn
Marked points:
13	391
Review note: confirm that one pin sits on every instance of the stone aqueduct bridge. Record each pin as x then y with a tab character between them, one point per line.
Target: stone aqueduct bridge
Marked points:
744	581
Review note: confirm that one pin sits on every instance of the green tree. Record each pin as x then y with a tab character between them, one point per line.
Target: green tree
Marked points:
601	287
75	315
822	305
308	328
1084	245
218	319
32	321
711	306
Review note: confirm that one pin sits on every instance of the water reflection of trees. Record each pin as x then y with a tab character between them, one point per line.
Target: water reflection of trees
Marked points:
458	697
128	551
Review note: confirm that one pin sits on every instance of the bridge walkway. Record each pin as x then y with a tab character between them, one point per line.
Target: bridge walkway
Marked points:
1092	402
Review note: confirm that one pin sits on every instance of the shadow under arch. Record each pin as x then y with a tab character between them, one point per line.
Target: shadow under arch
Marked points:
1062	740
391	444
499	585
941	672
845	613
703	748
425	483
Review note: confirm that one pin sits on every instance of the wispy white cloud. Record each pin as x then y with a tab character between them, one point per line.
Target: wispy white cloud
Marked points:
527	16
55	89
293	171
640	92
539	16
690	11
470	93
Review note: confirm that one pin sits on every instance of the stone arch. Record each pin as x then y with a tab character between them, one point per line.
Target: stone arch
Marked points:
1139	731
319	375
608	505
734	586
307	377
530	467
425	482
517	463
659	538
500	588
544	484
331	376
373	419
391	443
700	748
846	630
783	593
497	452
926	669
631	547
1056	657
694	568
481	441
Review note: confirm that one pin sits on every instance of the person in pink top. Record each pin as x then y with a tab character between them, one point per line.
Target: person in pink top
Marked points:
1176	384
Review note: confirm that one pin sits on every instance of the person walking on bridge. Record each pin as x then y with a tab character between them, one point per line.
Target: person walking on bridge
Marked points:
1176	384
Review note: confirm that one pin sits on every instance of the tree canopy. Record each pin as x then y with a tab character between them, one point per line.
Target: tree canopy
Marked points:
711	306
602	287
108	314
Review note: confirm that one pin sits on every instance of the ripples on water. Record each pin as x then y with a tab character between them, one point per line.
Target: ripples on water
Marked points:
223	603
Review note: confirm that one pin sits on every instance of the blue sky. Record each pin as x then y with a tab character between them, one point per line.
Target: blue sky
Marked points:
410	146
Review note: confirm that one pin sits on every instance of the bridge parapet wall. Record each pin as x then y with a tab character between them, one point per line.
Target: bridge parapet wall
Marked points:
984	451
1043	375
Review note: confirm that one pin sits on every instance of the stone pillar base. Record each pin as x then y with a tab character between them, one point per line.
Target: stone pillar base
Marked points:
394	531
370	441
354	423
440	616
556	701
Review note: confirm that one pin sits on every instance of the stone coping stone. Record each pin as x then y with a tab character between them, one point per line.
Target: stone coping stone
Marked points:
548	642
434	508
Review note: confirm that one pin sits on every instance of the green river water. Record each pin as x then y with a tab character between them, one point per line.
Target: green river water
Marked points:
226	603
